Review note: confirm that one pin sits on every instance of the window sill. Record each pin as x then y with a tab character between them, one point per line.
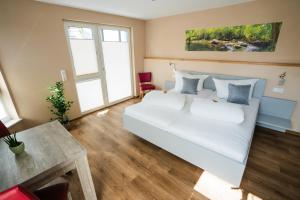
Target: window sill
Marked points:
12	122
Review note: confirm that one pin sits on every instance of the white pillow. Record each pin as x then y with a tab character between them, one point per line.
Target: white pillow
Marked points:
206	108
172	100
222	86
179	80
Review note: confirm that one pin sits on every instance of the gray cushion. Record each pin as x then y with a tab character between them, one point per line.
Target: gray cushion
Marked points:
189	85
239	94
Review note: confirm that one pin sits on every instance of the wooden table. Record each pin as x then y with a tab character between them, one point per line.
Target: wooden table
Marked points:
50	151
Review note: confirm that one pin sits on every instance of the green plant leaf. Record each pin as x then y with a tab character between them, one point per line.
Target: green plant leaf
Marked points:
59	105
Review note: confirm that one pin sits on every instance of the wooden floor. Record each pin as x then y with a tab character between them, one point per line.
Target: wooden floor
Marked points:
124	166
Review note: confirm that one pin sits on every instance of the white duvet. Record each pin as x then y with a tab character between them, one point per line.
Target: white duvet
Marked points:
216	110
229	139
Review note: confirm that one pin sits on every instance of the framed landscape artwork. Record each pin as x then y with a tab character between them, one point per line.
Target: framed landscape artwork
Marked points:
249	38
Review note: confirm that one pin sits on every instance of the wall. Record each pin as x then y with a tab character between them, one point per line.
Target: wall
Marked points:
33	50
165	37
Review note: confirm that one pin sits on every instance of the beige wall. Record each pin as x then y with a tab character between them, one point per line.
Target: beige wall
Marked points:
33	49
165	37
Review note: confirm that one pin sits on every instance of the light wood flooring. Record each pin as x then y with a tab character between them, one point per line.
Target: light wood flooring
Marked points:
124	166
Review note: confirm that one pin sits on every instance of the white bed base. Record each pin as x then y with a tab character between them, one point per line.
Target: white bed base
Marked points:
223	167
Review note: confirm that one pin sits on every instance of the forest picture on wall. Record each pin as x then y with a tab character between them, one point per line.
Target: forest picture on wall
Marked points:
257	37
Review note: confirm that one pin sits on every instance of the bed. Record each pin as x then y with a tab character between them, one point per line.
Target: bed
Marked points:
220	148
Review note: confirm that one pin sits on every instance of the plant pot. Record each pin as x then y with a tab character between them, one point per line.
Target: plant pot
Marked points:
18	149
66	122
67	126
281	81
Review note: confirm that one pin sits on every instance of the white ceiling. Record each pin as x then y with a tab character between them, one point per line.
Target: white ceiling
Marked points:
145	9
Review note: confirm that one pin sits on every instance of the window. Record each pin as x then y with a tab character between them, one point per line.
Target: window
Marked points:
111	35
80	33
3	114
89	94
8	113
83	49
118	71
124	36
102	67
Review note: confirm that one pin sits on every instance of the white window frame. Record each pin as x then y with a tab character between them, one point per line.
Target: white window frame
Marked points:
7	117
12	117
92	76
129	41
98	38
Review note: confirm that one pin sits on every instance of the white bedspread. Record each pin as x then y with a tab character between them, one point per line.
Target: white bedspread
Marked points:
228	139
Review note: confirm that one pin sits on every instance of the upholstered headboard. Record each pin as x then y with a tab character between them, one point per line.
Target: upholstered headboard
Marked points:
258	91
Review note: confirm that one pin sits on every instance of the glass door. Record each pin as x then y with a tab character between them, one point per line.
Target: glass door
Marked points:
116	49
102	67
83	41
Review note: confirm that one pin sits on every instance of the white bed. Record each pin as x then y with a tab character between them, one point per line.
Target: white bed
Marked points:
228	139
219	147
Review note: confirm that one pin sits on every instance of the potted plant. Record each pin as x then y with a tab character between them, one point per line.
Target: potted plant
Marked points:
282	78
17	147
59	104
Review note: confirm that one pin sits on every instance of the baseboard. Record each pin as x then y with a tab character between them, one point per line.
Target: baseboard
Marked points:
97	110
293	132
275	131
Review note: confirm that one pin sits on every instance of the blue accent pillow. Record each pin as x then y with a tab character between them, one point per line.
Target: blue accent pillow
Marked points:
189	85
239	94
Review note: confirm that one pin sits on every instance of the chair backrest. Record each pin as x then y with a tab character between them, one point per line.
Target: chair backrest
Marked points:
17	192
145	77
3	130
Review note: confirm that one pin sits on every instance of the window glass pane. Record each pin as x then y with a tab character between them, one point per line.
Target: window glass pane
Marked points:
80	33
84	56
3	114
89	94
111	35
124	36
118	73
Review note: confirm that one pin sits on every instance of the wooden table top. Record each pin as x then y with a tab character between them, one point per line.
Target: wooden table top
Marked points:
46	146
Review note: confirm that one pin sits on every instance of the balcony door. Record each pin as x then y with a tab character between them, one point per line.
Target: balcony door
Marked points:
115	43
102	67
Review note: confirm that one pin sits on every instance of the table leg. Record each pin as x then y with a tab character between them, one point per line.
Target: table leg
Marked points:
85	177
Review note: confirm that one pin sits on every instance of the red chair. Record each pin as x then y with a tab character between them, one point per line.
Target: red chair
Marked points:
145	83
54	192
3	130
17	193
